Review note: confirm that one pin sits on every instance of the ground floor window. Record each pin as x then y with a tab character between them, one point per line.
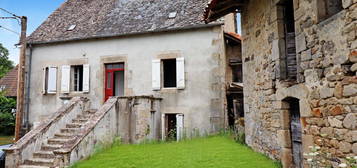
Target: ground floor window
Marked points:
77	71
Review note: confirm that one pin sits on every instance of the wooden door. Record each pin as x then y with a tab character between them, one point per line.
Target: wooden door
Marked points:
109	91
295	127
179	127
110	70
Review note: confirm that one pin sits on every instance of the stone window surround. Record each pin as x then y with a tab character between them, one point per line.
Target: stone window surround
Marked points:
300	92
168	55
278	44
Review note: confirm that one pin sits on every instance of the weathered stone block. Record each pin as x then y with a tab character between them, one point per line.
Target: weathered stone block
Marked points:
338	92
336	110
305	109
346	3
306	55
354	67
327	130
284	138
350	121
300	43
354	136
286	157
353	56
354	148
334	122
345	147
350	90
326	92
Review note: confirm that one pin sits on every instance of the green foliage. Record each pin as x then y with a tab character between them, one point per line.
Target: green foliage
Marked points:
7	119
208	152
5	64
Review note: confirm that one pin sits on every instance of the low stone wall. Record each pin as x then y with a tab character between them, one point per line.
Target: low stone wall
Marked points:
32	141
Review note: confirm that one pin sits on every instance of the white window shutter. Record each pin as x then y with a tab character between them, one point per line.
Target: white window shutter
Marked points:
179	126
86	78
156	75
44	79
180	72
65	79
52	80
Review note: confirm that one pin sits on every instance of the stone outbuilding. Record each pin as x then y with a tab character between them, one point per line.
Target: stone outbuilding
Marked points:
299	69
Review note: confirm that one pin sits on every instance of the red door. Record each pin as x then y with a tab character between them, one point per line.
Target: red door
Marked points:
110	79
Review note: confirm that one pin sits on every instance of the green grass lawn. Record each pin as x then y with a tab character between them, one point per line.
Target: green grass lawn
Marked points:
4	140
210	152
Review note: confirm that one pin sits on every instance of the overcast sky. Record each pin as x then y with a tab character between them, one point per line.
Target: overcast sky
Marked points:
36	10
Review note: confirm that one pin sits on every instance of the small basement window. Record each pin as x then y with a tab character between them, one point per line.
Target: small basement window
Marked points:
169	73
77	77
328	8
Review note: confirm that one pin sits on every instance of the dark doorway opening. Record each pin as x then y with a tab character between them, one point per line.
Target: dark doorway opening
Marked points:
295	131
235	110
169	66
171	131
290	43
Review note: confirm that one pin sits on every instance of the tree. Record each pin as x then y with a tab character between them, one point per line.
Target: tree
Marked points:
5	64
7	119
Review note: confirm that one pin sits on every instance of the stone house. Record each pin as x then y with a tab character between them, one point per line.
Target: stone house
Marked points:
299	68
97	69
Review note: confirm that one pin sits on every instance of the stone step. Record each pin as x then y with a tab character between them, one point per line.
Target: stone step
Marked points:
58	141
47	147
64	135
32	166
74	125
39	162
91	111
44	154
69	130
79	120
83	116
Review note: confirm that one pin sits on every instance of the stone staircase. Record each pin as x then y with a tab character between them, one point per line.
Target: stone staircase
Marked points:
45	158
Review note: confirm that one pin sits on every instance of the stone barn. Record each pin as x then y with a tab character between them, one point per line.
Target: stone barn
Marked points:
299	68
99	69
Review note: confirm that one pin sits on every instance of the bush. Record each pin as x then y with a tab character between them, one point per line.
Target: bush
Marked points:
7	119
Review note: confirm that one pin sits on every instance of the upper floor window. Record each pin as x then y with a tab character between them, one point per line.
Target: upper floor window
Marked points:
237	69
328	8
169	73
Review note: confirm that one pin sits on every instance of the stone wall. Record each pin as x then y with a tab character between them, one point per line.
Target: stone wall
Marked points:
326	86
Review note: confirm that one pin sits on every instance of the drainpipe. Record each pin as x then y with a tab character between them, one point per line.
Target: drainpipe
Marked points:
27	99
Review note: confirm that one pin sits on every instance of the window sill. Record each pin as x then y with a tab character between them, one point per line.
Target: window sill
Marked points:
169	90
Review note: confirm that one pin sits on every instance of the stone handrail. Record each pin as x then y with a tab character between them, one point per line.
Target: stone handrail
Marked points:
102	128
33	140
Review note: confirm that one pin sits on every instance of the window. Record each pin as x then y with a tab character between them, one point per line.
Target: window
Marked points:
237	70
169	73
2	88
328	8
77	78
49	80
290	43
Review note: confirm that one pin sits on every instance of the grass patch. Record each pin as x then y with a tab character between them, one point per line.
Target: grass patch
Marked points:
209	152
4	140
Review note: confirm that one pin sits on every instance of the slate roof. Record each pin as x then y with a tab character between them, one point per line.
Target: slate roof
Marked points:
9	82
107	18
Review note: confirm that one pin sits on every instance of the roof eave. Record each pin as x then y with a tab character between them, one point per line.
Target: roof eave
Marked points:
218	8
127	34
